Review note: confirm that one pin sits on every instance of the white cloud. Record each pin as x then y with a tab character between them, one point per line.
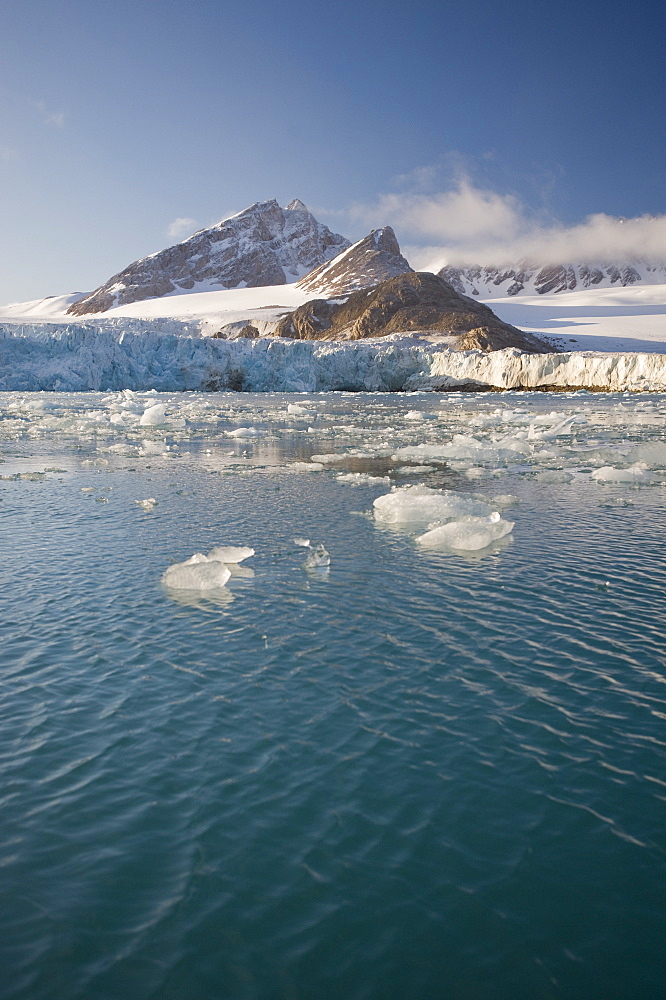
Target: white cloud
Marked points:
180	226
469	224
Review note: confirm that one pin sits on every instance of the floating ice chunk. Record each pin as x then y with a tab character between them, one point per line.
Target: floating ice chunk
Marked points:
414	470
302	411
469	533
305	467
361	478
153	415
302	542
420	504
117	418
635	474
326	459
190	575
317	557
245	432
147	504
230	553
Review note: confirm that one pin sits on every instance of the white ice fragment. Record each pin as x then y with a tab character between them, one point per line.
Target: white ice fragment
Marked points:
297	410
147	504
305	467
420	504
469	533
302	542
153	415
326	459
245	432
230	553
318	556
189	575
361	478
635	474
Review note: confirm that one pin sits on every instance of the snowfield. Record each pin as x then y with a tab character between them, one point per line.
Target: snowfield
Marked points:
601	319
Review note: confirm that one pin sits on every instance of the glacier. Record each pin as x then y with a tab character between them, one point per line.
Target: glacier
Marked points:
172	355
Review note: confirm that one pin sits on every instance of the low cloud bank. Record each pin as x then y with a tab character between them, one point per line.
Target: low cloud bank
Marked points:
469	225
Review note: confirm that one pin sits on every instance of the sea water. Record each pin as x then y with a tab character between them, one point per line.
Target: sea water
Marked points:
405	772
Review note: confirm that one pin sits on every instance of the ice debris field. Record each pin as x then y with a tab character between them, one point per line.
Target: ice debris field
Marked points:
169	355
441	471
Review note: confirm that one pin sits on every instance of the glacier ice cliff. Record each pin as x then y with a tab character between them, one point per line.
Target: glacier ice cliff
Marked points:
127	354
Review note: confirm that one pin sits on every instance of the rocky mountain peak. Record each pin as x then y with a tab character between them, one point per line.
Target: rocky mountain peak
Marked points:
373	259
296	206
262	245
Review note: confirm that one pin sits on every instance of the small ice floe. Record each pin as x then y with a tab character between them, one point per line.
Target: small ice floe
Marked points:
362	479
469	533
304	467
635	474
201	572
245	432
302	542
327	459
318	558
421	505
231	553
153	416
297	410
147	504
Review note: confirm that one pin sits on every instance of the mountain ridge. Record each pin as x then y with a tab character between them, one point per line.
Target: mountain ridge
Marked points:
486	281
262	245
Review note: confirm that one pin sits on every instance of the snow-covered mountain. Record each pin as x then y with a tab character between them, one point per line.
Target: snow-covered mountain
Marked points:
373	259
263	245
542	279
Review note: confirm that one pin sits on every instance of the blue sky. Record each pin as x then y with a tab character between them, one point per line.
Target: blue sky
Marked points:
119	118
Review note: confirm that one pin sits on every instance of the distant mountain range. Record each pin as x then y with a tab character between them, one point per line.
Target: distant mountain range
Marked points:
540	279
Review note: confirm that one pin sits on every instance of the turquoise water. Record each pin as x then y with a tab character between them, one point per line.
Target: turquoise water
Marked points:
422	774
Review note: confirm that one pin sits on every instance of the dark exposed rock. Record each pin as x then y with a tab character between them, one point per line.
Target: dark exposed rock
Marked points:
417	301
363	265
264	245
